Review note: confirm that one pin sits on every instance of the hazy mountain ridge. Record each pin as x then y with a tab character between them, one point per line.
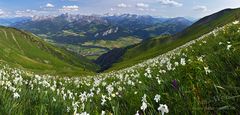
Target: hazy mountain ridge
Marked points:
11	21
94	27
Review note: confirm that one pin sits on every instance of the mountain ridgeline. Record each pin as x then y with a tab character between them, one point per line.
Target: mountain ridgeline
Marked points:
159	45
27	51
11	21
73	29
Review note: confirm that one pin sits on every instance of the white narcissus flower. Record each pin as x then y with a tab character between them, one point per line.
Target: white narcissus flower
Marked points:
68	109
236	22
103	113
207	70
169	66
183	61
54	99
144	98
110	89
163	108
137	113
200	59
144	106
162	71
148	70
228	47
16	95
84	113
157	98
144	102
103	100
113	95
176	63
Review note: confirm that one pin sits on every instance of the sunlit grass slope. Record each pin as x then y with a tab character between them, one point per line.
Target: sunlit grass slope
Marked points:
21	49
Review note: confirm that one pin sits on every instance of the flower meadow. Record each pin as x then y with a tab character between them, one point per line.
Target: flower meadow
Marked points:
200	77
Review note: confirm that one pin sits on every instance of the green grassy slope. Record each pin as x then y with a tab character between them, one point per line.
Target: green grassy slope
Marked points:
26	50
154	47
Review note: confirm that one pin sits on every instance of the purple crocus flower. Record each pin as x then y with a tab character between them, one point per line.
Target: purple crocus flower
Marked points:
175	84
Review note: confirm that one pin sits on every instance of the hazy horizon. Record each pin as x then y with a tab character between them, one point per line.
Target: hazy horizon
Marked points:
156	8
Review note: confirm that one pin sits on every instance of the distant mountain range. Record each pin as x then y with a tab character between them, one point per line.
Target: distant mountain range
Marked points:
68	28
11	21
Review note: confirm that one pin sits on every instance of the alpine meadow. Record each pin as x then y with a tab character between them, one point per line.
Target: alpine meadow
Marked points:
146	57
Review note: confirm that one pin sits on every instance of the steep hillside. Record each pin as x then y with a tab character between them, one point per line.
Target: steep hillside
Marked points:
154	47
26	50
106	60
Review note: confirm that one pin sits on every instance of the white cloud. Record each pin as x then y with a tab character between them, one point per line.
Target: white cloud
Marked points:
122	5
142	5
25	13
69	8
200	8
170	3
147	9
49	5
1	12
112	9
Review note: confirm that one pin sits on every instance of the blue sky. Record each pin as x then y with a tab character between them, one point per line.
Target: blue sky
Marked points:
160	8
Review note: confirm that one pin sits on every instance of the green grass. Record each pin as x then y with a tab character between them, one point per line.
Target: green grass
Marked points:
201	77
70	33
119	43
155	47
28	51
90	53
